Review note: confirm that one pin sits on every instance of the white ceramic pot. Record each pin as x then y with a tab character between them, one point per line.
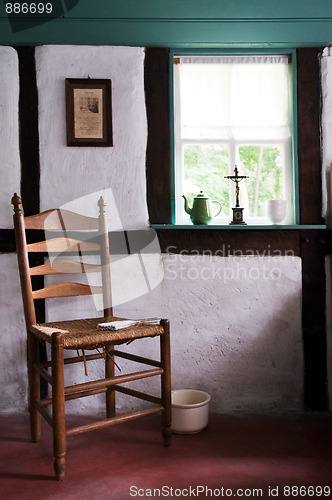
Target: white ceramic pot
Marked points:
190	411
276	210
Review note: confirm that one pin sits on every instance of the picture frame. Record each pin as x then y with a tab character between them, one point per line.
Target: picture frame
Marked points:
89	112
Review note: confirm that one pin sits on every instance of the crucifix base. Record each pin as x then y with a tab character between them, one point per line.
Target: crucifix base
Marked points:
238	216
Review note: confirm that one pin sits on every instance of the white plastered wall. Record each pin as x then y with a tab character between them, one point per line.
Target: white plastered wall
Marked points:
9	151
326	69
235	325
68	173
236	321
13	373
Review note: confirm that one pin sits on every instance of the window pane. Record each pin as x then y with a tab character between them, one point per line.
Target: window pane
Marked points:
205	166
234	110
264	166
234	100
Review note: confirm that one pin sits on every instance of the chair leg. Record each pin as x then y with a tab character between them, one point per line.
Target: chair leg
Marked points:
58	401
165	352
34	388
109	372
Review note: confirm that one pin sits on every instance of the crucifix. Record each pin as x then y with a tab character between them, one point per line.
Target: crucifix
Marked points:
237	210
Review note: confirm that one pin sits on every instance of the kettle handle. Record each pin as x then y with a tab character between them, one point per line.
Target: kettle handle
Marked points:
215	201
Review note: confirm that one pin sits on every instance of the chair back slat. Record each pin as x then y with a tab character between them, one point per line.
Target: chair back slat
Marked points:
60	245
94	240
66	289
64	267
62	220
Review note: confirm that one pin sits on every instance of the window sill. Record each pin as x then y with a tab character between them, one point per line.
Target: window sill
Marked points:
238	227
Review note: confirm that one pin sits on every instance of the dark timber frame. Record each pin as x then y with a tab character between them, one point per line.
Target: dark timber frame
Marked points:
30	165
311	245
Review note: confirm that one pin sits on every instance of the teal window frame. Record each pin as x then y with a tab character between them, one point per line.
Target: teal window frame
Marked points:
294	134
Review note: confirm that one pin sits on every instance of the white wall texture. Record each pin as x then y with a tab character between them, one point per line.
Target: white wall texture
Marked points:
235	328
13	376
326	69
9	151
13	370
68	173
236	321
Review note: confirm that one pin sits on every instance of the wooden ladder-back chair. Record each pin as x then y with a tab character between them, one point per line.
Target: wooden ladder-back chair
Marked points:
80	334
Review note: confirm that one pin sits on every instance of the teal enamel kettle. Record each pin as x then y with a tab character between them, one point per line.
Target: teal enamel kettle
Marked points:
202	210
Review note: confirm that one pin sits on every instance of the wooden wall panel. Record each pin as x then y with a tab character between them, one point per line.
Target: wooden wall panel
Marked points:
158	154
309	141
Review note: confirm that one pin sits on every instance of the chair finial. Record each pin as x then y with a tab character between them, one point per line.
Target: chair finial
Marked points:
16	200
102	205
17	203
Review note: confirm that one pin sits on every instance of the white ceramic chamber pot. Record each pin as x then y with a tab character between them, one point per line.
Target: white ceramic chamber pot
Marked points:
190	411
276	210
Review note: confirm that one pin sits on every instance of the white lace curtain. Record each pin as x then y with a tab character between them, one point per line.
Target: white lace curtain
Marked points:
244	98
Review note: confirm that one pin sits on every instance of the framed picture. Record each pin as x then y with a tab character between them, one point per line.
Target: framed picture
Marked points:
89	112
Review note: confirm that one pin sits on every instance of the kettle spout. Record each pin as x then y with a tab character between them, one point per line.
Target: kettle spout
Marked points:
186	205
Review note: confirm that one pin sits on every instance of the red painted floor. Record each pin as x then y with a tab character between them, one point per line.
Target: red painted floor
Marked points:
235	456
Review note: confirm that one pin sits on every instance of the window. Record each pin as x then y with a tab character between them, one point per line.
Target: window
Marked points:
234	110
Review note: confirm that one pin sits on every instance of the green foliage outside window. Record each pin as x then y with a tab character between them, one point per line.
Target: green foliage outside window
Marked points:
205	166
263	165
204	169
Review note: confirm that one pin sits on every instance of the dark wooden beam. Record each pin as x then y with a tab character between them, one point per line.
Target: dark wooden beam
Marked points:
7	240
29	134
314	248
30	164
29	140
225	242
158	154
309	139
